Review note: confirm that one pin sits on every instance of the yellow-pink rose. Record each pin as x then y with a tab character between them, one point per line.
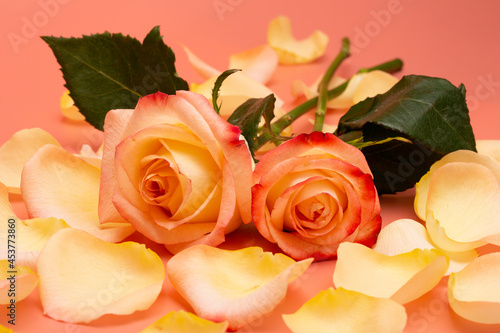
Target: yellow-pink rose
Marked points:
312	193
175	170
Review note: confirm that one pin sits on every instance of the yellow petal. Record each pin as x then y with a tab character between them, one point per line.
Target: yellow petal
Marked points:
83	277
406	235
402	277
300	88
237	286
343	310
17	151
16	282
68	108
205	70
474	292
57	184
235	90
258	63
90	156
372	84
184	322
489	148
4	329
290	50
463	210
346	99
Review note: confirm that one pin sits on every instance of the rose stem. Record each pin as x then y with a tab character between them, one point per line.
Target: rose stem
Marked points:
319	116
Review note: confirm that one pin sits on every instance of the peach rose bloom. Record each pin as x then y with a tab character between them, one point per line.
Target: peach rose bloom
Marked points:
313	193
175	170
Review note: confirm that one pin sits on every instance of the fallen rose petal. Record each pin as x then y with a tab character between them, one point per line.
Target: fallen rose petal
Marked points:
402	278
489	148
290	50
300	88
23	282
83	277
57	184
184	322
4	329
90	156
17	151
406	235
69	109
258	63
237	286
474	292
373	83
463	210
205	70
343	310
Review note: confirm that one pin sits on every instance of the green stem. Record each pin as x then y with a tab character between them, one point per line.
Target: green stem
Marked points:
323	85
287	119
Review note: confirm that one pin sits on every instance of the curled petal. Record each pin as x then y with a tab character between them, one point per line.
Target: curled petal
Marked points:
83	277
237	286
69	109
290	50
17	151
489	148
18	279
372	84
474	292
185	322
402	277
343	310
463	210
406	235
205	70
258	63
57	184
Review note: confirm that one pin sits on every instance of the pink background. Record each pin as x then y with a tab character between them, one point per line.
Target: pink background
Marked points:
451	39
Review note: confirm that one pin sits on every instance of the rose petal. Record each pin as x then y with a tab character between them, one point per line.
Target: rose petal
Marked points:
90	156
205	70
300	88
83	277
402	277
373	83
463	210
489	148
235	90
23	278
290	50
237	286
17	151
69	109
57	184
4	329
474	292
184	322
406	235
258	63
343	310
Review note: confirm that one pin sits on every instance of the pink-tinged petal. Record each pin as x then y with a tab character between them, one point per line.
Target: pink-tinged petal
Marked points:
69	109
205	70
235	286
372	84
258	63
57	184
83	277
17	151
185	322
474	292
114	125
402	278
291	50
343	310
489	148
16	282
406	235
463	210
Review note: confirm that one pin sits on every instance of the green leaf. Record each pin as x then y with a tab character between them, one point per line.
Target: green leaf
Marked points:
430	112
111	71
217	86
248	115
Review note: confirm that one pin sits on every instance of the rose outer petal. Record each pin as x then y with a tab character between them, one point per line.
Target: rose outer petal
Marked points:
184	322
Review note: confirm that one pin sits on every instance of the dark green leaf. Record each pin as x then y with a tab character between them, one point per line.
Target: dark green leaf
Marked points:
217	85
248	115
430	112
111	71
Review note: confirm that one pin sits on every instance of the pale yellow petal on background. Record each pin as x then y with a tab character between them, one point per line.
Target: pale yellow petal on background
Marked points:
83	277
291	50
299	88
343	310
17	151
372	84
205	70
23	278
69	109
474	292
402	277
405	235
184	322
237	286
489	148
258	63
463	207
